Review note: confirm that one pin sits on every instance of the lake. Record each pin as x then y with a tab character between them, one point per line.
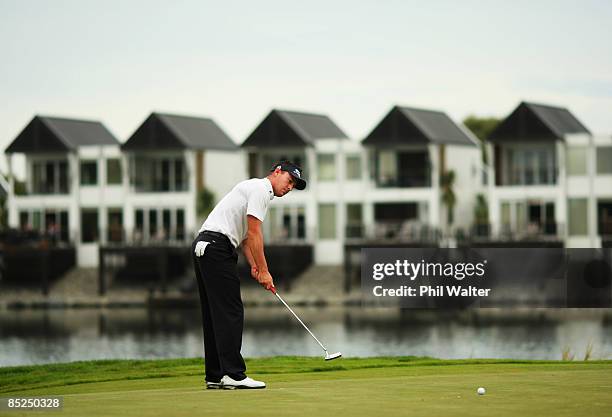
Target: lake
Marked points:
63	335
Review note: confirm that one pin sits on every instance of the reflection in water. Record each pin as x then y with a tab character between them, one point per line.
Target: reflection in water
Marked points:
42	336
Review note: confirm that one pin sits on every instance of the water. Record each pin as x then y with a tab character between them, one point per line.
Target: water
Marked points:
44	336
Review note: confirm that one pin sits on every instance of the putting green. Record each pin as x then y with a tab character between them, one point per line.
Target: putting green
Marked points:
310	387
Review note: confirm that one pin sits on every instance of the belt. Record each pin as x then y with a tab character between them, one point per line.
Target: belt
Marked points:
216	234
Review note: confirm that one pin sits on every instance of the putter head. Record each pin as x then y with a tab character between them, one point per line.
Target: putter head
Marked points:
332	356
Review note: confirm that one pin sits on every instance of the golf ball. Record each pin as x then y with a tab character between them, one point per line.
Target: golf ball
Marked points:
481	391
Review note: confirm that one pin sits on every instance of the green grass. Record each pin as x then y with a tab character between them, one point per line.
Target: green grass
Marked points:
300	386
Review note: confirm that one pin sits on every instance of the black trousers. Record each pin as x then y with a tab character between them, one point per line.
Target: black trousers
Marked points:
222	309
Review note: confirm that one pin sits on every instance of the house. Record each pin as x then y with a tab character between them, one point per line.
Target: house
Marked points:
170	160
86	189
553	178
407	153
333	167
73	179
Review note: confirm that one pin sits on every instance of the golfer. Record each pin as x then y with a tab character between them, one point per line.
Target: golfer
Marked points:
235	221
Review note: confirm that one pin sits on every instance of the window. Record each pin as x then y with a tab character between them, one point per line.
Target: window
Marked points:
115	225
577	217
89	173
301	223
326	167
159	174
113	171
89	225
354	220
407	169
23	220
327	221
387	168
155	224
604	160
353	167
529	166
166	224
50	177
577	161
180	224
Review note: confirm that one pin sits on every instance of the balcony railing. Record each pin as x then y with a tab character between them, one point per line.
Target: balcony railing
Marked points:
547	231
403	181
398	231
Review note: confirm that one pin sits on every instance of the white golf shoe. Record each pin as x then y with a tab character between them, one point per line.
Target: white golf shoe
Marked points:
213	385
246	383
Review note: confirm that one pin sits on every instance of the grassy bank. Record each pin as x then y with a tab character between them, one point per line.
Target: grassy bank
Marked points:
299	386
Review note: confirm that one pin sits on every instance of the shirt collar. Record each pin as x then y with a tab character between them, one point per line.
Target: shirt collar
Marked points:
269	188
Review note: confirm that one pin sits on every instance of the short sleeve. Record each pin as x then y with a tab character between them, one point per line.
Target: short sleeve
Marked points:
257	204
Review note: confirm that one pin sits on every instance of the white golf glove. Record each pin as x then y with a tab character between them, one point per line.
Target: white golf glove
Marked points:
200	248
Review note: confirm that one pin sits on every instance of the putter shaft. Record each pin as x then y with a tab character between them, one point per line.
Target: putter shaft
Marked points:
301	322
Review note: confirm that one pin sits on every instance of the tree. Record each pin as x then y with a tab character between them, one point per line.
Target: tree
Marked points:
205	202
447	180
482	128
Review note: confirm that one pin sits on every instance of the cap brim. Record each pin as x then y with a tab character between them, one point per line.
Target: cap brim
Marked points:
300	184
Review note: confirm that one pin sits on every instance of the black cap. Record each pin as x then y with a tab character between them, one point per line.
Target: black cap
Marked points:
294	170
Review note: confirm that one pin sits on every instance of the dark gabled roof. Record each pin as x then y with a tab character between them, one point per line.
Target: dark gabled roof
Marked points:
406	126
55	134
537	121
293	129
169	131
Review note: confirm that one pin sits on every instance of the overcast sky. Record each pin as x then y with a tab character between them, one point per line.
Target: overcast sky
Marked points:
116	61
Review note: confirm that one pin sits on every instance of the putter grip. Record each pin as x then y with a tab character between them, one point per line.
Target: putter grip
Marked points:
273	290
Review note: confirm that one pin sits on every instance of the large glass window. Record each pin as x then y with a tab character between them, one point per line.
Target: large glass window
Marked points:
577	160
89	172
578	217
604	160
24	223
604	218
115	225
327	221
153	224
89	225
113	171
50	177
180	224
160	224
166	224
506	217
354	220
159	174
403	169
353	167
529	166
326	167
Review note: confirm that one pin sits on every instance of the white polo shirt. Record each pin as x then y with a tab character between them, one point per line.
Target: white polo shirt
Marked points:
230	215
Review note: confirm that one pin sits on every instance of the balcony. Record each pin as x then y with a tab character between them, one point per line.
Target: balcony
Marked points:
548	231
49	177
393	231
401	169
526	166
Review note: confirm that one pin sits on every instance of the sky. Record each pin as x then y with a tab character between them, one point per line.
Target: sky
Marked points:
234	61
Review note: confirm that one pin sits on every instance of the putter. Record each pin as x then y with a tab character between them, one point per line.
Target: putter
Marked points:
328	356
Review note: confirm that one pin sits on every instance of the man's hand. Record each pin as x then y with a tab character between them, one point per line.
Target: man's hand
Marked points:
200	248
254	271
265	279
